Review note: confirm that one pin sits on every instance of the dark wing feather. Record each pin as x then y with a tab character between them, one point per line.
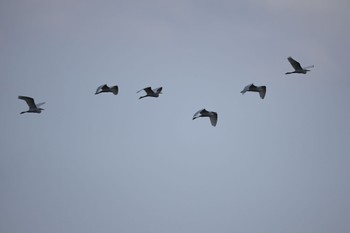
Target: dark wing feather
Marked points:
199	113
145	89
105	88
115	90
246	88
101	88
296	65
149	91
213	118
157	90
204	112
262	92
29	100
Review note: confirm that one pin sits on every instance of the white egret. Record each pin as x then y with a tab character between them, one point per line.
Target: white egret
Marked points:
297	67
252	87
34	108
105	88
204	113
151	92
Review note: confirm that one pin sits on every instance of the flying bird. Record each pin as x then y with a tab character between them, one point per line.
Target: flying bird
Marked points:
204	113
105	88
151	92
252	87
297	67
34	108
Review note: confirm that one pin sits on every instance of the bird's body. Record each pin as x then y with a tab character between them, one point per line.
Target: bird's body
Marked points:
204	113
297	67
105	88
253	88
151	92
33	108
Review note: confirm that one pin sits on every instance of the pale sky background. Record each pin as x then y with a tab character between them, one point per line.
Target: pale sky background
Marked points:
112	164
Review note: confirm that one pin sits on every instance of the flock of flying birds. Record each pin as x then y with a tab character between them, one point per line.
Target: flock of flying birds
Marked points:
213	116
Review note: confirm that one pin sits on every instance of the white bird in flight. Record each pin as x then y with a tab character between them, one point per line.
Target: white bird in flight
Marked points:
297	67
252	87
105	88
34	108
151	92
204	113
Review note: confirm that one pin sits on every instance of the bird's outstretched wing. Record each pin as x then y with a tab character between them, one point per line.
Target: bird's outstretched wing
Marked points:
199	113
28	100
262	92
296	65
101	88
148	90
115	90
214	118
144	89
39	104
157	90
308	67
246	88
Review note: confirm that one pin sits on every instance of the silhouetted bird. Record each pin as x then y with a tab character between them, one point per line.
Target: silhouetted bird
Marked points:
34	108
252	87
297	67
151	92
105	88
204	113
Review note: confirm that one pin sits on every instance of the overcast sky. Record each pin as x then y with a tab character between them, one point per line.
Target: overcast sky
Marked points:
103	163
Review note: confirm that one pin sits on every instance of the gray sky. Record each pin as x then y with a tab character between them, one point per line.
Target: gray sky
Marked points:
118	164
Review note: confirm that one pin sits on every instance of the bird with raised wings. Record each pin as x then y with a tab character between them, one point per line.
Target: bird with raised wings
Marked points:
213	116
105	88
33	108
253	88
151	92
297	67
